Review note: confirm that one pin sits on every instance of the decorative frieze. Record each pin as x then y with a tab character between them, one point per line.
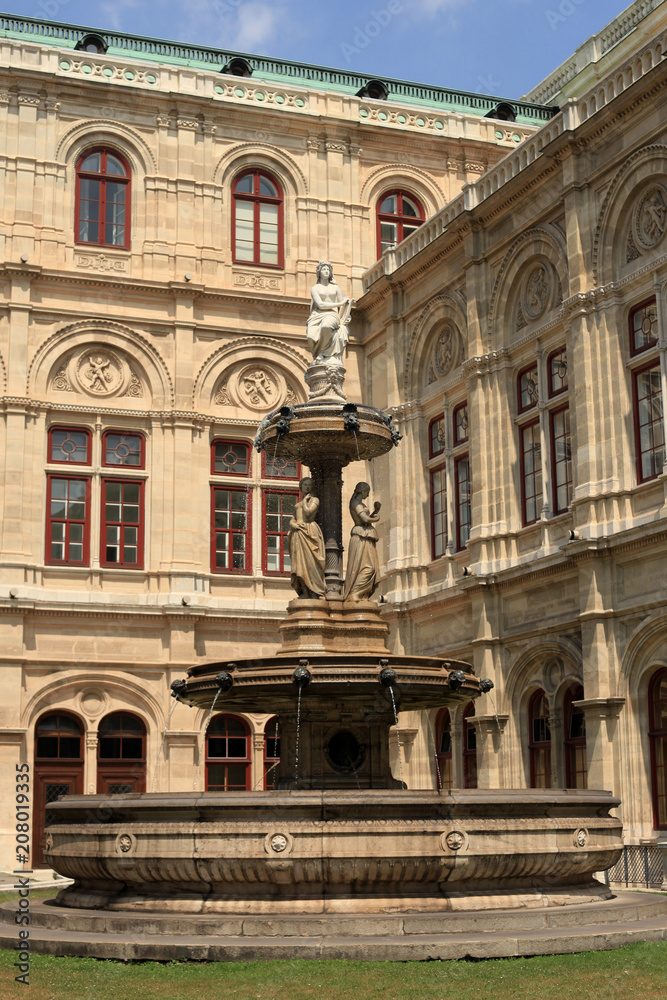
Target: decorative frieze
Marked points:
262	282
101	262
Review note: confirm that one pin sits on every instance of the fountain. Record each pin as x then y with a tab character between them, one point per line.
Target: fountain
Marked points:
341	847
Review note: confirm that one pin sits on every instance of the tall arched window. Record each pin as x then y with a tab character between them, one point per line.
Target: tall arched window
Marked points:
271	751
121	754
227	755
103	181
257	219
58	769
398	215
657	697
539	745
576	763
469	748
443	748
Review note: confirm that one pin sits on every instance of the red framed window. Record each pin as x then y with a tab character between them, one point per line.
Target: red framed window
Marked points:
561	459
68	521
527	388
649	421
443	749
438	512
460	423
103	181
58	737
231	549
271	752
122	523
280	468
227	755
230	458
469	748
398	215
436	436
257	219
576	763
69	444
643	326
557	371
58	771
121	754
463	500
657	698
121	449
278	512
531	471
539	745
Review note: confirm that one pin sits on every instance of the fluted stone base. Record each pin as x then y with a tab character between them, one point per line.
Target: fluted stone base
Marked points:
322	626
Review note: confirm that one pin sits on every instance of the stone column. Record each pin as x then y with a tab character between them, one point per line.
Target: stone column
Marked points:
181	756
90	762
601	715
490	749
257	764
328	486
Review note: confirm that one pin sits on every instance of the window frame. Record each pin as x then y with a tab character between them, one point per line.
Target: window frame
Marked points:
230	571
636	351
103	178
522	460
442	467
282	534
120	759
231	441
58	758
85	560
399	218
279	478
551	392
247	760
535	746
465	457
654	363
653	735
140	525
456	441
553	413
256	199
125	433
66	462
533	366
431	451
574	693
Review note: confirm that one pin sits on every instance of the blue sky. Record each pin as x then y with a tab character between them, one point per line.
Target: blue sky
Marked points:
501	47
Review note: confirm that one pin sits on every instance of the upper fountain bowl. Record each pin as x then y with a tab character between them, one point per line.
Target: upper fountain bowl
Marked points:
344	432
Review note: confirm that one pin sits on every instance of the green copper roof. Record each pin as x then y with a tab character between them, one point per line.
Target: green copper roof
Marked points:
264	68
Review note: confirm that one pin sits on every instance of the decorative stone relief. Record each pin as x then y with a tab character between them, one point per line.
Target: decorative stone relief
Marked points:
100	372
92	702
222	396
101	262
581	838
135	387
651	217
48	843
536	292
60	381
255	386
126	843
455	840
446	353
631	251
278	843
263	282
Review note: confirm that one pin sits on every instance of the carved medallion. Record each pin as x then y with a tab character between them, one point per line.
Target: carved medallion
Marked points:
257	388
651	217
126	843
48	843
254	386
446	353
581	838
278	843
455	840
102	372
536	292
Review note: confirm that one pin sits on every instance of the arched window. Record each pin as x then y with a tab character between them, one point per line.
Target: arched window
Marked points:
227	755
257	219
398	215
539	741
58	770
576	764
657	697
469	748
121	754
271	751
103	199
443	748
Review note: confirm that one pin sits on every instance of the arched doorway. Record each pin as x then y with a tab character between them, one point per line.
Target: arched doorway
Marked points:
58	770
469	748
539	743
227	755
657	695
443	748
121	754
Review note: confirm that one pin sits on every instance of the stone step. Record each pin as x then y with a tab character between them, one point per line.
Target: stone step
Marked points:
486	934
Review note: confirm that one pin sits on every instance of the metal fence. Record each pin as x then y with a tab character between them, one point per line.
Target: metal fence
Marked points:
637	866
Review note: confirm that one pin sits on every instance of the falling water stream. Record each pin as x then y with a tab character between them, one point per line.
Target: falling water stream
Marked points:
500	732
398	737
435	749
203	738
357	444
298	729
161	747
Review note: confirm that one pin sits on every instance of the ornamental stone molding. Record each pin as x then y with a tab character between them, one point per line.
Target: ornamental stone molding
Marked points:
452	310
535	288
132	144
402	175
445	353
257	386
650	217
262	353
101	262
288	172
259	281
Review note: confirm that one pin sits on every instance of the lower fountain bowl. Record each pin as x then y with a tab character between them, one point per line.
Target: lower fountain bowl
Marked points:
333	851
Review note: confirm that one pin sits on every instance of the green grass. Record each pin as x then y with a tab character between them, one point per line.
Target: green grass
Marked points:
636	972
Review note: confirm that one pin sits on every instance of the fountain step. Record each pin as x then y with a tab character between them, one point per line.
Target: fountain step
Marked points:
386	937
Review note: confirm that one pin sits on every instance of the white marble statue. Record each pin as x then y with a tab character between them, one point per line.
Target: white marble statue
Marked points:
329	316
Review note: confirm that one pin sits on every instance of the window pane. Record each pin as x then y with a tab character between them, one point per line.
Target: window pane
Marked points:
266	187
90	192
131	492
230	458
389	205
114	166
409	207
245	185
92	163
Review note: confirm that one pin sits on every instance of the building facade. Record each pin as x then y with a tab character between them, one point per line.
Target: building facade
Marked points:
163	211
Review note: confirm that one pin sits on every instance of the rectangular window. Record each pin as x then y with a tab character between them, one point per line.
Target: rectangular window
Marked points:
280	468
527	388
122	523
388	236
268	234
649	422
463	505
230	531
230	458
244	245
438	512
278	512
461	424
123	449
68	521
436	436
531	471
69	444
643	327
557	371
561	459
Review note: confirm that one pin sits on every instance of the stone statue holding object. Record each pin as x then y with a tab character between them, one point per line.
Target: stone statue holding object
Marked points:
306	546
327	333
363	567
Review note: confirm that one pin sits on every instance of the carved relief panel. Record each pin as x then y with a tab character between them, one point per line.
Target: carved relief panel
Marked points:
648	222
99	372
445	354
255	386
539	290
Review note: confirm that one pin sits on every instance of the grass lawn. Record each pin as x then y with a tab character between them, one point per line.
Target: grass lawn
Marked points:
636	971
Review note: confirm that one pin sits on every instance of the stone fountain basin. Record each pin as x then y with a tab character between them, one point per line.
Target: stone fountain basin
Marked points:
318	429
333	851
266	684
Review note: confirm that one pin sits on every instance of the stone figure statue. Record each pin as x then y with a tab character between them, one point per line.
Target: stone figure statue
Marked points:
363	568
329	317
306	545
